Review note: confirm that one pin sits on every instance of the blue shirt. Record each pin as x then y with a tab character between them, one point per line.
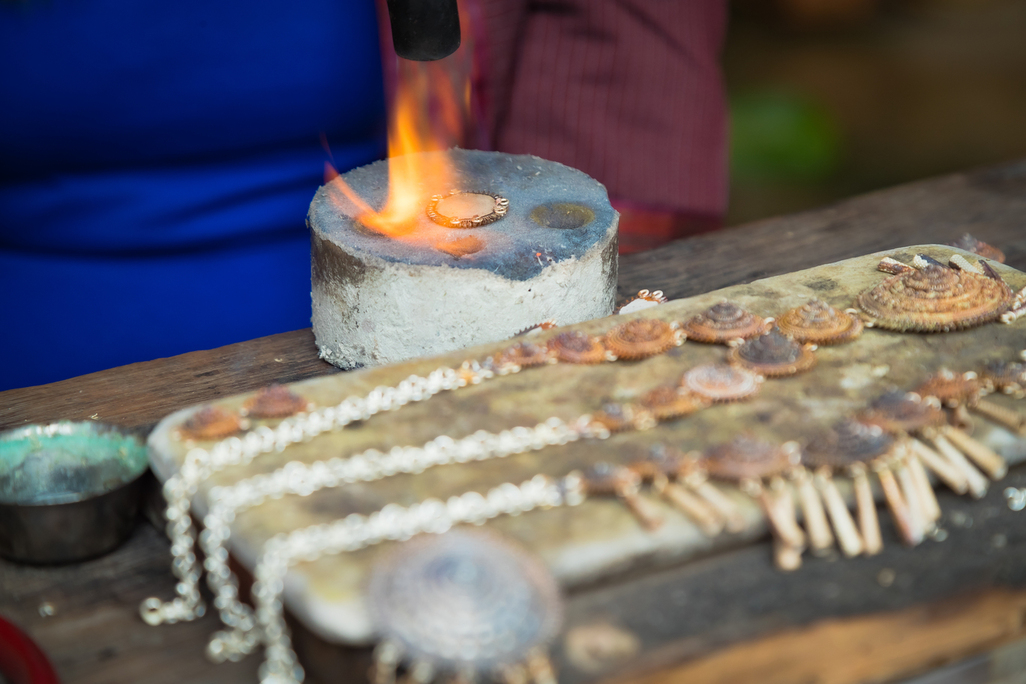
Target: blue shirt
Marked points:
156	164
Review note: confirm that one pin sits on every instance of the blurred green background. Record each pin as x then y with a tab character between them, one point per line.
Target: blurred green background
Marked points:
831	98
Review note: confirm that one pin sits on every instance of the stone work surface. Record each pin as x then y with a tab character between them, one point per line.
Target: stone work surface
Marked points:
599	539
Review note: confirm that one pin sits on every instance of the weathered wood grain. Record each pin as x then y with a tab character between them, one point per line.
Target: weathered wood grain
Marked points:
990	204
140	394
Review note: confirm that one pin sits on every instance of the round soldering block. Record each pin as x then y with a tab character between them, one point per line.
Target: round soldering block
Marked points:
433	288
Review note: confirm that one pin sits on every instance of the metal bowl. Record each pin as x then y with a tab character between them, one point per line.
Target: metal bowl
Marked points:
68	491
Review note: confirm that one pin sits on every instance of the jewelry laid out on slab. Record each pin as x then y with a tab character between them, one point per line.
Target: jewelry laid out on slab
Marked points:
898	437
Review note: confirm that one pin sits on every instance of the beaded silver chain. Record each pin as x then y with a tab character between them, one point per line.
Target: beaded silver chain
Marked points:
391	523
302	479
201	463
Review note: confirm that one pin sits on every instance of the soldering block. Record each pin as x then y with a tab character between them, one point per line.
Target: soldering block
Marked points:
379	299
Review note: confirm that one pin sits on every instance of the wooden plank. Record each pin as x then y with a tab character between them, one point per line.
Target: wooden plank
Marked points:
140	394
683	615
868	649
95	635
990	203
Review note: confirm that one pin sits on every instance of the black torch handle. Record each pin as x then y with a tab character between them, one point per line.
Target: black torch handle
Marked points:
424	30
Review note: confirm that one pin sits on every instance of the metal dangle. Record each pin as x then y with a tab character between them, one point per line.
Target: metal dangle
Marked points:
970	244
679	480
721	383
760	469
725	323
816	322
641	301
962	393
855	448
932	297
918	419
642	338
773	355
606	479
275	401
1008	378
460	606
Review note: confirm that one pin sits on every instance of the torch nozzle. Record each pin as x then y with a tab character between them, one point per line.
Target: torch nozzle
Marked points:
424	30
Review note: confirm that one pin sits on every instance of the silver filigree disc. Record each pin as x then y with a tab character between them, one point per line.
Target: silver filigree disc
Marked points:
464	600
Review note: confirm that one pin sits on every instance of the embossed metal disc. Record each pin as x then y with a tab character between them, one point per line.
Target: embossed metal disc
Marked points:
722	323
274	401
670	401
935	299
898	411
460	209
819	323
577	347
209	423
746	457
849	441
773	355
720	382
642	338
464	599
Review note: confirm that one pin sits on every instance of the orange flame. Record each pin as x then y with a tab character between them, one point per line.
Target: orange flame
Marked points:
429	113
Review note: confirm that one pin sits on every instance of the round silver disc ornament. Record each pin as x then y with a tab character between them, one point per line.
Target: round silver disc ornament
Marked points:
464	600
463	209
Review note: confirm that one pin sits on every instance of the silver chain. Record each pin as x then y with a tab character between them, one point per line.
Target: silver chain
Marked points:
297	478
200	464
391	523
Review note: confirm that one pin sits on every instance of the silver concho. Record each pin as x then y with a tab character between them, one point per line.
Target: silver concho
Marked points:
464	600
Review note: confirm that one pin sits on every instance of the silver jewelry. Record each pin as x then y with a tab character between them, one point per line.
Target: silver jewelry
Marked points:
297	478
391	523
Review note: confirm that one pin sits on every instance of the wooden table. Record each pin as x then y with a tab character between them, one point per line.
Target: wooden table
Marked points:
728	618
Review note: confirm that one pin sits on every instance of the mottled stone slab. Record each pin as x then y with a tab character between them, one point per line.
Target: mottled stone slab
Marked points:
598	539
